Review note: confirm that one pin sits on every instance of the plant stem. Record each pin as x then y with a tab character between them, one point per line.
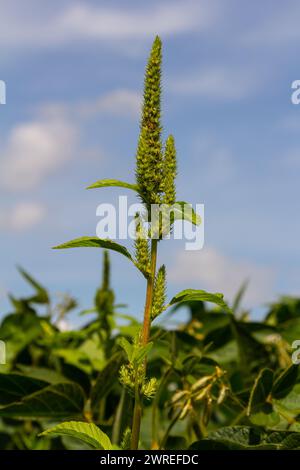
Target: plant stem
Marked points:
116	432
169	429
137	412
154	444
149	295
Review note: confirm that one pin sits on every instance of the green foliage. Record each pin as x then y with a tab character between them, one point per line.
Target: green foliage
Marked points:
184	211
105	300
261	390
189	295
125	444
132	374
285	382
14	386
195	390
55	401
115	183
41	294
86	432
247	438
94	242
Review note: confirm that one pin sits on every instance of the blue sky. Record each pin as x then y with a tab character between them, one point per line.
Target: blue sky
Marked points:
74	76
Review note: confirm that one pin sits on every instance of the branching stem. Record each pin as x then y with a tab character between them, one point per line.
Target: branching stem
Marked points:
137	412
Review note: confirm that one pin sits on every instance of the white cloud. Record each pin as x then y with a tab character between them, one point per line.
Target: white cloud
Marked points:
80	21
102	22
211	270
218	82
121	102
34	150
22	216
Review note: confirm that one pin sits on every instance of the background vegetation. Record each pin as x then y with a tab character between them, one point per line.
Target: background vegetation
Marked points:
224	381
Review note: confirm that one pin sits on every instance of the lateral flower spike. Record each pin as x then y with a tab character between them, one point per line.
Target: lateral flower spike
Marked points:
170	171
141	247
159	296
149	158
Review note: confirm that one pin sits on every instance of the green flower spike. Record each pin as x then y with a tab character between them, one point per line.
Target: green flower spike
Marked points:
141	245
159	297
170	171
149	158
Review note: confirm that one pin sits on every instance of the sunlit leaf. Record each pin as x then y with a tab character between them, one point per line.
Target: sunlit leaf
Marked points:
112	182
189	295
185	211
94	242
128	348
86	432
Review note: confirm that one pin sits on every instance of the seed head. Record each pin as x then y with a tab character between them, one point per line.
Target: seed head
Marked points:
141	247
159	296
149	161
170	171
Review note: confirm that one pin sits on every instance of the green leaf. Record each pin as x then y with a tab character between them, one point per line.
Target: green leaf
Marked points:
41	296
86	432
252	354
261	390
128	348
106	379
18	332
266	418
232	438
75	357
239	296
14	387
285	382
55	401
196	295
248	438
95	242
140	353
189	215
291	402
49	376
111	182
